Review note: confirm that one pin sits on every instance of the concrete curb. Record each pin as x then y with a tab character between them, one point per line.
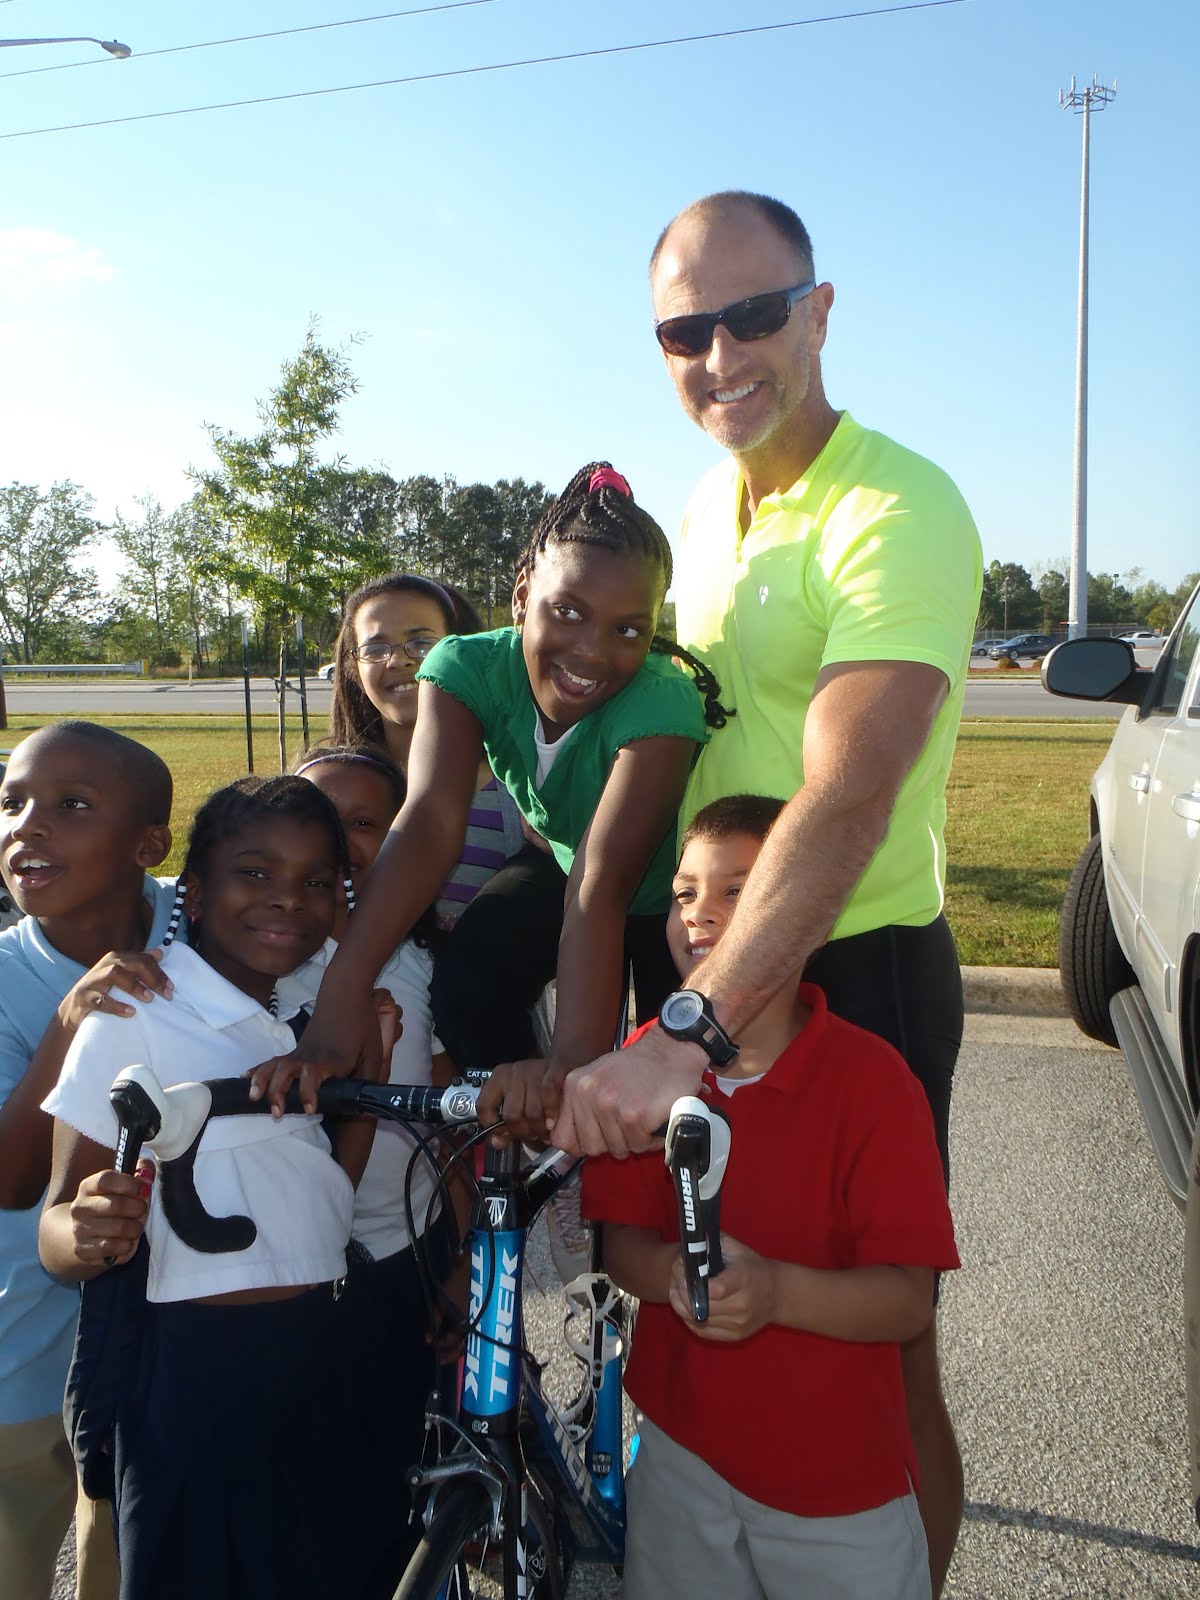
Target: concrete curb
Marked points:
1014	991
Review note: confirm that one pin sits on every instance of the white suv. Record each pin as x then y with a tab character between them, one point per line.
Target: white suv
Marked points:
1129	939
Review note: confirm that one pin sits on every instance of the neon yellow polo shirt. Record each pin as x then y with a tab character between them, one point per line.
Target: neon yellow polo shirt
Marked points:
870	556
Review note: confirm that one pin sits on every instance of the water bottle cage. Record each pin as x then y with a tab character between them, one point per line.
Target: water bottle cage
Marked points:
593	1333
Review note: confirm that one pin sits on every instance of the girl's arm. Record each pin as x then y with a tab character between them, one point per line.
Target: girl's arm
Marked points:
26	1131
93	1216
639	803
422	846
639	1261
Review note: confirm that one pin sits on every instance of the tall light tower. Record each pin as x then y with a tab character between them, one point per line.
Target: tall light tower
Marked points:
1095	96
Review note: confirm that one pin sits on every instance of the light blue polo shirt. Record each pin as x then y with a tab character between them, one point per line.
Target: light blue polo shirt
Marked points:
37	1315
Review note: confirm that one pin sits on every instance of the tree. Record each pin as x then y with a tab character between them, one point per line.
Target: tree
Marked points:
42	539
1108	600
1054	591
151	593
273	493
1009	601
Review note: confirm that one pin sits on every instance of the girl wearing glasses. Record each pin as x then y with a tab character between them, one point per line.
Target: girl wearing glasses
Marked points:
587	721
389	626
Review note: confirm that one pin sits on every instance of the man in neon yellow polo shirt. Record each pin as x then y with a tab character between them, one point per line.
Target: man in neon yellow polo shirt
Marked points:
831	578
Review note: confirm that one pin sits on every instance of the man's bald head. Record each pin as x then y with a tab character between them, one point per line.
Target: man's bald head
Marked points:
726	205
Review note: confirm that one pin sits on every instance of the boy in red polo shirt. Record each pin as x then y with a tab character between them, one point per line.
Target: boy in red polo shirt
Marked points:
775	1456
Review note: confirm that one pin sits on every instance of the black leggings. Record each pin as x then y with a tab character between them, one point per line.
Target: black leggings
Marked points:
503	951
905	985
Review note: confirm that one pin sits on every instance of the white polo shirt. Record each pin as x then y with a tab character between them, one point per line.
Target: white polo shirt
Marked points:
279	1173
380	1223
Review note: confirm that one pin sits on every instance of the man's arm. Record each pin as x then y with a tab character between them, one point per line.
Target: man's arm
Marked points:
866	727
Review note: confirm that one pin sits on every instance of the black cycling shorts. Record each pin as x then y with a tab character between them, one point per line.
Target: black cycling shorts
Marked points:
905	985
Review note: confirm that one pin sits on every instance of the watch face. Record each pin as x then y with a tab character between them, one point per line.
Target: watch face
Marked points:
681	1010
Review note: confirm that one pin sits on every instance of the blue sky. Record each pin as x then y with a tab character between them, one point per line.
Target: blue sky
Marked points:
488	235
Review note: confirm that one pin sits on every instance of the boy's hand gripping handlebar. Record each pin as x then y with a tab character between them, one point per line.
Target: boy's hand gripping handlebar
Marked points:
171	1123
697	1150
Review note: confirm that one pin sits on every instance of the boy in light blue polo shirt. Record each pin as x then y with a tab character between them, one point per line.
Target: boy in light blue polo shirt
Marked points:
83	817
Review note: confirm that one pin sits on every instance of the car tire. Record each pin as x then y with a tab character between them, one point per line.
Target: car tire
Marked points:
1092	966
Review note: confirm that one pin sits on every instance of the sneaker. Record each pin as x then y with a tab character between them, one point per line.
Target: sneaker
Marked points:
570	1235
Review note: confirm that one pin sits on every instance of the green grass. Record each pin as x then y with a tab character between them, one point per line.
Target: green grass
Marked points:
1018	809
1017	818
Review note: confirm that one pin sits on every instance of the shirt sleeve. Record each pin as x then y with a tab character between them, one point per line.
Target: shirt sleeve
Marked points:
102	1047
900	575
629	1191
661	702
895	1193
459	665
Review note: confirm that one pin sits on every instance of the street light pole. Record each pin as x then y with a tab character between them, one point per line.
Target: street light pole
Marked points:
113	46
1082	101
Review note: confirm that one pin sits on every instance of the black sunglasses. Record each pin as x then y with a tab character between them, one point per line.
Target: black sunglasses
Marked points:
756	318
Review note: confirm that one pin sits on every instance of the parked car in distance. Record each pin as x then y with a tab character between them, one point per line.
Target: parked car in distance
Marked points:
1143	638
982	646
1025	646
1129	935
326	671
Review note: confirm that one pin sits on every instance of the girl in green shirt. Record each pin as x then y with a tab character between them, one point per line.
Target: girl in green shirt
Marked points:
594	737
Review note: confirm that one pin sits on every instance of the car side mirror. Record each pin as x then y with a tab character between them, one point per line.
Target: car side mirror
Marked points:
1095	669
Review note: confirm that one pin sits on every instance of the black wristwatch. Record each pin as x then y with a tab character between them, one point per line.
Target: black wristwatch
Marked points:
688	1015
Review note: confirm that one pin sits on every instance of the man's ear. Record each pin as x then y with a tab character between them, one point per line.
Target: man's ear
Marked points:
520	597
155	846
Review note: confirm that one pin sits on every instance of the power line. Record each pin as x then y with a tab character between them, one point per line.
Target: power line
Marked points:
495	66
247	38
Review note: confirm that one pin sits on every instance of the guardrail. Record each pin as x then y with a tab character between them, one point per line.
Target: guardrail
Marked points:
136	668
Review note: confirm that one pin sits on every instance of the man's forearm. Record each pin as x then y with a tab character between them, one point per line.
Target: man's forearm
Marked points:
802	879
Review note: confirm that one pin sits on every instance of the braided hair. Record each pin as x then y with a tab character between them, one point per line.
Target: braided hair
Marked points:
353	720
597	508
248	800
424	931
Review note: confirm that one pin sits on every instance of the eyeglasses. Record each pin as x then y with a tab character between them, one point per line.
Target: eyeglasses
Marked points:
378	653
755	318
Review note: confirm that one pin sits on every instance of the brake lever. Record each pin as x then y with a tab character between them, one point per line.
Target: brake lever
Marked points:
697	1151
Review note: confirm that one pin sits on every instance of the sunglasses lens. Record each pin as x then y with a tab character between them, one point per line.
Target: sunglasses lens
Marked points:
757	318
686	336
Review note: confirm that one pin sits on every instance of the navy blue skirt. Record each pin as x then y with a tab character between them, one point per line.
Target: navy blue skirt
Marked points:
234	1471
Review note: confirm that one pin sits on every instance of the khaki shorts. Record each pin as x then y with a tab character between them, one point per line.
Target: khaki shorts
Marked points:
690	1533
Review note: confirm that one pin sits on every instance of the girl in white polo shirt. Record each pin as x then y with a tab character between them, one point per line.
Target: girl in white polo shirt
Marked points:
225	1442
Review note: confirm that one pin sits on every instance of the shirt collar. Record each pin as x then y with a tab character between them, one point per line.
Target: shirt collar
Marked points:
203	990
788	1068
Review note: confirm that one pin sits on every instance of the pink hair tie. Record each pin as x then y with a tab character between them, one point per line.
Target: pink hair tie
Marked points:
609	478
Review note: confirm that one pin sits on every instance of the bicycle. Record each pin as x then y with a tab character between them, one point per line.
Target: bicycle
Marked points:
512	1490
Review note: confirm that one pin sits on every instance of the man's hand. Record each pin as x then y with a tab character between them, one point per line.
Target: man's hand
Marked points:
618	1103
134	972
741	1299
527	1095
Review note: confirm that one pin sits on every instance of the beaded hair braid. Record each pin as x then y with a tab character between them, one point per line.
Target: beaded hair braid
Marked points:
608	517
249	800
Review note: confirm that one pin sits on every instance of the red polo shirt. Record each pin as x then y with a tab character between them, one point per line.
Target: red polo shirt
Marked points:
833	1165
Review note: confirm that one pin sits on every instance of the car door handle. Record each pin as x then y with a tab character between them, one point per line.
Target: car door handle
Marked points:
1187	806
1140	781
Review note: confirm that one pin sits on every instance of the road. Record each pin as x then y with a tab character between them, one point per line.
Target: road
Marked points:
1012	697
1061	1337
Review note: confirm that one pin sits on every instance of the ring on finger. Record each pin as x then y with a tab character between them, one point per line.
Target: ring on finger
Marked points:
97	999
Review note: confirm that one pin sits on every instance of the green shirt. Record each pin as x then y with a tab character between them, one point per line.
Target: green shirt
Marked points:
870	556
486	672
